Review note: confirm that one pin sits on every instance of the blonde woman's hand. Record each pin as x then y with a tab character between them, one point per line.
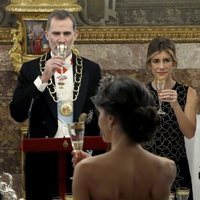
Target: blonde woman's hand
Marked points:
170	96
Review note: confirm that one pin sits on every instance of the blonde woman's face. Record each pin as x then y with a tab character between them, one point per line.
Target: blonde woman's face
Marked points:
162	65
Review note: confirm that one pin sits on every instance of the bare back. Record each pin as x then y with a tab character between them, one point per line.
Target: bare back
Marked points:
128	174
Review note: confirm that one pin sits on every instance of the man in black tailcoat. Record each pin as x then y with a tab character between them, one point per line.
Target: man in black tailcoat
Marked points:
51	92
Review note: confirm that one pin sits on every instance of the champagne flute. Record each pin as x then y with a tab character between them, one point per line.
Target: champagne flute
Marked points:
76	132
62	49
62	52
171	196
160	84
182	193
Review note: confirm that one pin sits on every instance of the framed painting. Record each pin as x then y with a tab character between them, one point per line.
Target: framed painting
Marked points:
36	42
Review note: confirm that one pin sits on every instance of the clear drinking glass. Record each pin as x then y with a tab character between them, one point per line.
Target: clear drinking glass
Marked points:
160	85
57	198
182	193
76	132
62	52
171	196
68	197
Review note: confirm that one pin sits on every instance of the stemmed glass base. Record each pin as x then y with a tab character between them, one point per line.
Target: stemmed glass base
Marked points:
160	85
182	193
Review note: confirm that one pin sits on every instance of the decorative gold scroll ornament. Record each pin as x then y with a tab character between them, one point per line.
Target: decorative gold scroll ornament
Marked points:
16	51
42	6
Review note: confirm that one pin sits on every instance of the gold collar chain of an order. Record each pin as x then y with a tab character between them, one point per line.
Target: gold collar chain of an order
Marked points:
77	77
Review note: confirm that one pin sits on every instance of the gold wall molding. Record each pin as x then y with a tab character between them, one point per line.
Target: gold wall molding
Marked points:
42	6
138	34
16	51
91	35
5	36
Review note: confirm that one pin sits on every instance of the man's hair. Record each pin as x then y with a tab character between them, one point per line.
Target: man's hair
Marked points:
60	15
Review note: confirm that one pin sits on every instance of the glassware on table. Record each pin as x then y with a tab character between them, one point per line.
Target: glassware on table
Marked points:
172	196
182	193
68	197
57	198
62	51
76	132
160	85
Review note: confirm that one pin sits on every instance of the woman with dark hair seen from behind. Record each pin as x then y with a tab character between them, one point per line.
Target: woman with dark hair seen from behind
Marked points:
179	103
127	117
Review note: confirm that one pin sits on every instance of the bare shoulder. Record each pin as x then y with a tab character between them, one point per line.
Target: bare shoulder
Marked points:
165	176
167	170
168	165
90	163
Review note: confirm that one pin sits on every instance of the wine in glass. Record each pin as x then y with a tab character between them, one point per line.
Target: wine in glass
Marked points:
62	52
182	193
171	196
76	132
160	84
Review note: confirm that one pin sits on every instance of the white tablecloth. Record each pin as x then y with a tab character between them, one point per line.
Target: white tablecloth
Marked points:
193	151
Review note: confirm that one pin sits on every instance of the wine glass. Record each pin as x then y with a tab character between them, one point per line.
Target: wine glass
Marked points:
56	198
160	84
182	193
62	52
171	196
76	132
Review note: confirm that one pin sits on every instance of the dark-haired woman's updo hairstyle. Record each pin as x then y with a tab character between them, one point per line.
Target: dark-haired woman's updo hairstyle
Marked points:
131	103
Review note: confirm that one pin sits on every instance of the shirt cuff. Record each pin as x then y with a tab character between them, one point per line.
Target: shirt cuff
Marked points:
40	86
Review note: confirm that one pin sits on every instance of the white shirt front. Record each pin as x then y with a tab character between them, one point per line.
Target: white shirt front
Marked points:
64	93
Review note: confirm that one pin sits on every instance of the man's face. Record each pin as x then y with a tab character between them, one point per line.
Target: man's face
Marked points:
61	31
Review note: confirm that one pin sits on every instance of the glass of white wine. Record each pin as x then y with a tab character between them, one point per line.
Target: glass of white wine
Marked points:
76	132
172	196
160	85
182	193
62	52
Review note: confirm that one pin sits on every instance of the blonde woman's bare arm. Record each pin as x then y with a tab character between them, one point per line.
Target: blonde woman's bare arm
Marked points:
187	118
